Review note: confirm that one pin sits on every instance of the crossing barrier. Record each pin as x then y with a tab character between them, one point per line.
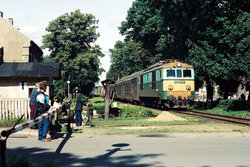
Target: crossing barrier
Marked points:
30	123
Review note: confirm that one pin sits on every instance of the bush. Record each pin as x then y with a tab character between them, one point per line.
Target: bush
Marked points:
129	112
135	112
204	105
234	105
146	113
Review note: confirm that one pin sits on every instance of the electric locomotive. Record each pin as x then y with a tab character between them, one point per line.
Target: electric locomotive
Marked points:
168	83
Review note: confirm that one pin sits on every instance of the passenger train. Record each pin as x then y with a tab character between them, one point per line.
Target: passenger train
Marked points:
169	83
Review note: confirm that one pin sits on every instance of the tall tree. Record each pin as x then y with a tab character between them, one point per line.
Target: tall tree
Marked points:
126	57
70	41
221	53
211	35
143	24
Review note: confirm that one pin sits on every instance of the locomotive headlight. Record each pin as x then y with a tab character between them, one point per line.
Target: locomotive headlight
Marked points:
178	64
170	87
188	87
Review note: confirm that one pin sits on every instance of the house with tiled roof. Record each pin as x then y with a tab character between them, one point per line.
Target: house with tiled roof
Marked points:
21	64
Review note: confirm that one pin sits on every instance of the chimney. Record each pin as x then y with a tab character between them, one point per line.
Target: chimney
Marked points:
1	14
10	20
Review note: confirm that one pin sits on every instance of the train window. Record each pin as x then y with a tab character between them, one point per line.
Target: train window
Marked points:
170	73
158	75
179	73
187	73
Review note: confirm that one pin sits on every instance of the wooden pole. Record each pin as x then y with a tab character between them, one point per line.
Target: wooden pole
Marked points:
106	111
107	86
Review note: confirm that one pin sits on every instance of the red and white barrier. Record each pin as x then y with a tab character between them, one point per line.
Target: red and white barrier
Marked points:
30	123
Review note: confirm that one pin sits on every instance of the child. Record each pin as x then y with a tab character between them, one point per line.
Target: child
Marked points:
89	115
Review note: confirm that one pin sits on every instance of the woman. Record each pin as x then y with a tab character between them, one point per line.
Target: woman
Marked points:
32	104
43	126
78	109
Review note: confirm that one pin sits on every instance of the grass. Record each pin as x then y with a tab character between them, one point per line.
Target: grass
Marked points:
218	110
10	122
228	107
136	122
98	104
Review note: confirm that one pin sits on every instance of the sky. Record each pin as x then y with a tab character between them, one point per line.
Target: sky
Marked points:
33	16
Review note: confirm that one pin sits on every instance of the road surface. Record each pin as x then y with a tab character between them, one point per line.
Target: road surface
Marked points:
68	150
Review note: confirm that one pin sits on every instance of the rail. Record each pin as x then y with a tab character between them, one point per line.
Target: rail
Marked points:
232	119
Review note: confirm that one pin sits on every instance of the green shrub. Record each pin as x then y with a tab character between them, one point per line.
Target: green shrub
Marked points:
146	113
203	105
197	105
129	112
234	105
135	112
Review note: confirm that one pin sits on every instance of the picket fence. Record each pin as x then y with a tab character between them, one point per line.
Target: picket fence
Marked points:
14	108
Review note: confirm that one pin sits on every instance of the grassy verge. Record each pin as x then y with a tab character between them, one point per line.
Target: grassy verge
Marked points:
224	107
218	110
10	122
135	122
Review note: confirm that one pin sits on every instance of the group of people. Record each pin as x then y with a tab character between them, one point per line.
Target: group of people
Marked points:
38	95
78	111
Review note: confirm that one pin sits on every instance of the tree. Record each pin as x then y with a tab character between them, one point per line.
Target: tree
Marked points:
127	57
210	35
161	26
221	54
143	24
70	41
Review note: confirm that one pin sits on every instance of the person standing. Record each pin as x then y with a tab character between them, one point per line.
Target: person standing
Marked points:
78	109
32	102
89	115
43	126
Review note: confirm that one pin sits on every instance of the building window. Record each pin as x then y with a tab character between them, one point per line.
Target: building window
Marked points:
22	85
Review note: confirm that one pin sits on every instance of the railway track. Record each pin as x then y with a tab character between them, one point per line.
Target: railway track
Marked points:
225	118
231	119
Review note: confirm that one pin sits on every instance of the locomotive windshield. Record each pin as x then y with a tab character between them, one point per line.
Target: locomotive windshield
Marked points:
187	73
179	73
170	73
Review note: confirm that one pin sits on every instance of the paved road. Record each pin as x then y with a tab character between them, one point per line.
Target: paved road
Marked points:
71	150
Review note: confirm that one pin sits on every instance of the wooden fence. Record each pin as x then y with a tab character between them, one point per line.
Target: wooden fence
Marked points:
14	108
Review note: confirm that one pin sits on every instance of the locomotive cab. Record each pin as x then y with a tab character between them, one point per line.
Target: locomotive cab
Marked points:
178	84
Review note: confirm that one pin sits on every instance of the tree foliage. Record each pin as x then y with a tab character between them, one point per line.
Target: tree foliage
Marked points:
211	35
126	57
70	40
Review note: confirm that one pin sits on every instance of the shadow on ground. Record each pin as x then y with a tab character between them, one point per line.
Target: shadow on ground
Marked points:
40	156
